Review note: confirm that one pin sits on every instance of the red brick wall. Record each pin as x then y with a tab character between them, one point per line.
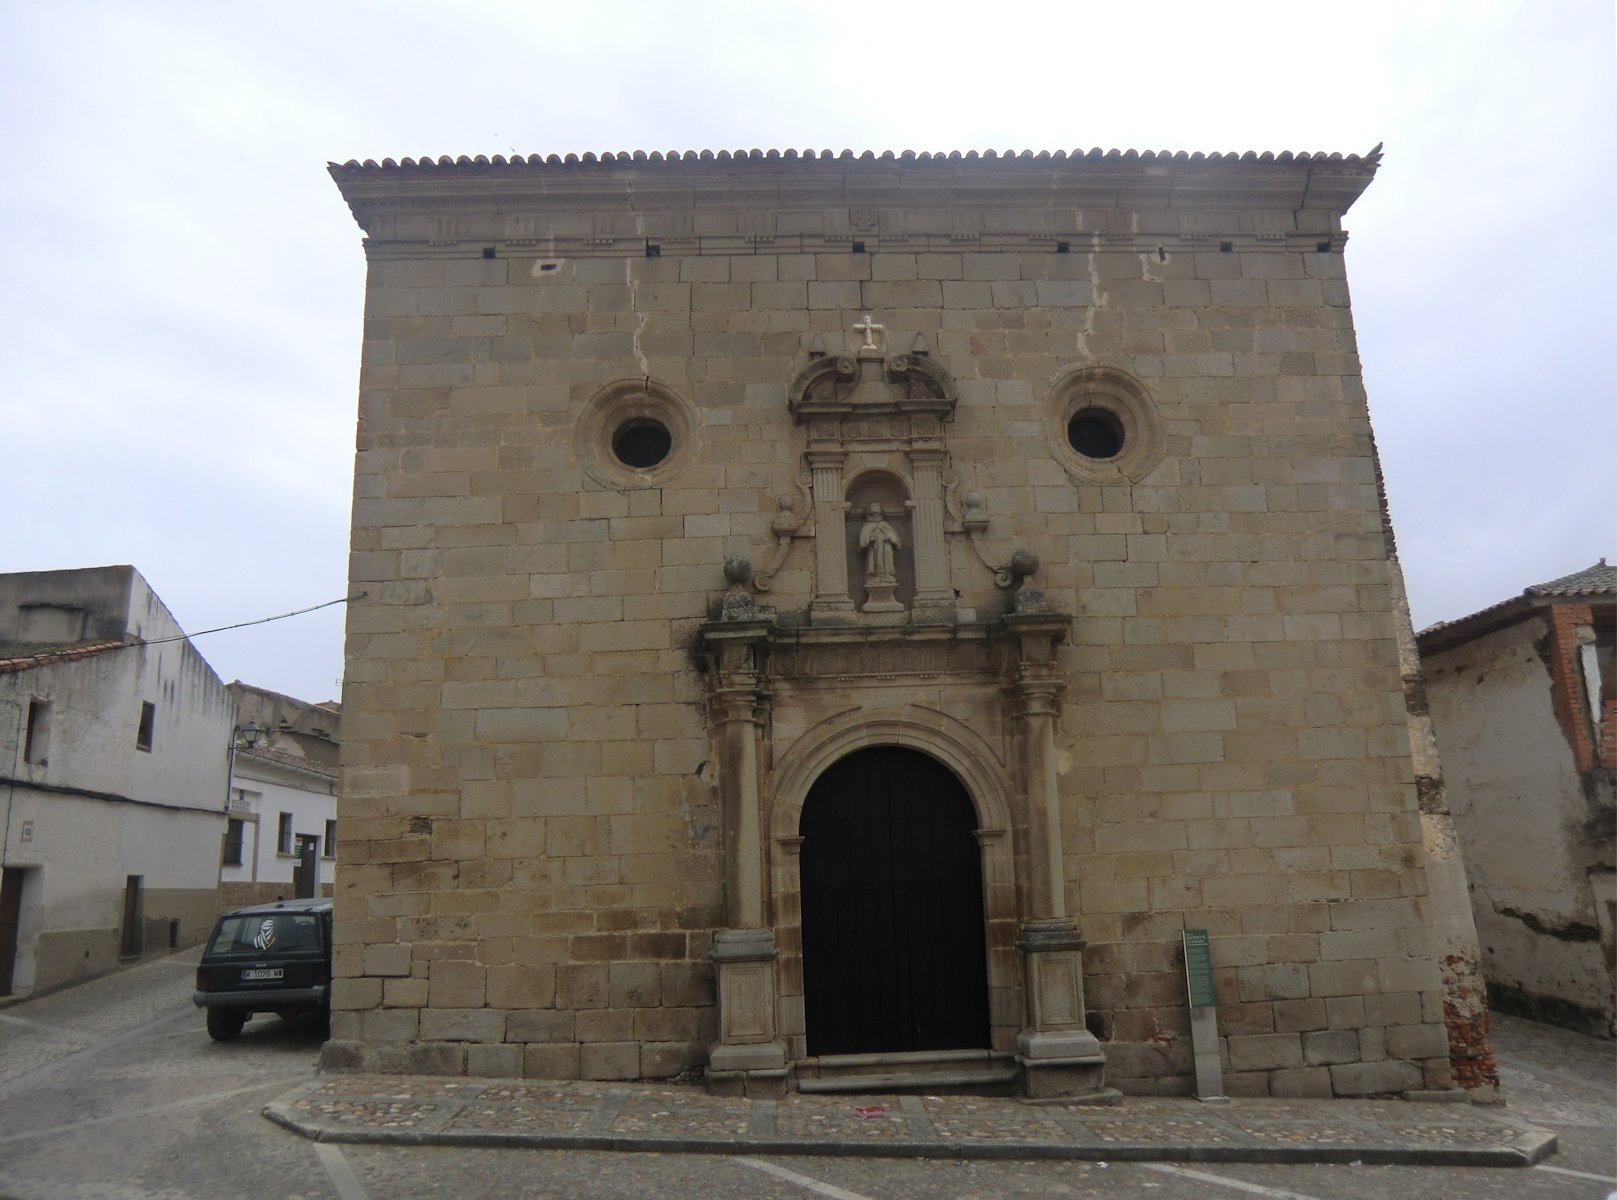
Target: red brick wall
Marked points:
1571	703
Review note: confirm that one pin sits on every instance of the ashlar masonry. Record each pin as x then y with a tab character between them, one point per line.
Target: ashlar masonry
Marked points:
833	616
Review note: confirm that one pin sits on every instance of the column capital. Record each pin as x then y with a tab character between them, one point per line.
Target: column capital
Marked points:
733	650
1038	634
1037	693
742	703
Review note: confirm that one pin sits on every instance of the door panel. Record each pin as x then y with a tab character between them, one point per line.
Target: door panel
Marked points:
893	957
133	939
306	872
10	918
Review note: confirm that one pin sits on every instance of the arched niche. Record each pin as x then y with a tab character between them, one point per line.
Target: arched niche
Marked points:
891	494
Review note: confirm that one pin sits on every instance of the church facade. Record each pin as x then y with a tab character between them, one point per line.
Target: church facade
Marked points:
830	619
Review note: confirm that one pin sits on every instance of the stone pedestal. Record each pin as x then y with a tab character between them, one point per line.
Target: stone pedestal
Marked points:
747	1059
1058	1055
880	598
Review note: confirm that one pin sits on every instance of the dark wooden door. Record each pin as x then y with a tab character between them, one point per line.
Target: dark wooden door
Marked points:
306	869
10	918
893	957
133	940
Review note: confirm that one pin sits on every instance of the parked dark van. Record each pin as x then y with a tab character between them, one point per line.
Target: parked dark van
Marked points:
268	958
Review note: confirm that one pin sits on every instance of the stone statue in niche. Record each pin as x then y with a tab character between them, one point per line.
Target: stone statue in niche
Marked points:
880	543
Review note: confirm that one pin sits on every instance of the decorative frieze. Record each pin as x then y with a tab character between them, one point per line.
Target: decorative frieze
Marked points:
882	657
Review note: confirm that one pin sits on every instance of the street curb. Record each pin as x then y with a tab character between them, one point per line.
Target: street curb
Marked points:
1525	1151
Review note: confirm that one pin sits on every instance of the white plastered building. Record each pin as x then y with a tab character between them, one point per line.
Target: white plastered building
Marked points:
280	838
114	740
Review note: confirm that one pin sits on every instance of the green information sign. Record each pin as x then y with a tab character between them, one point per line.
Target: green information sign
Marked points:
1198	969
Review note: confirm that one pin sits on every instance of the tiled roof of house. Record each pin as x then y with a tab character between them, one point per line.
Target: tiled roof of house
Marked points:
46	658
281	758
640	157
1596	580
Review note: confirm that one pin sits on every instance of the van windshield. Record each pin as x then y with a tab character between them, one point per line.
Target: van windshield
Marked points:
258	933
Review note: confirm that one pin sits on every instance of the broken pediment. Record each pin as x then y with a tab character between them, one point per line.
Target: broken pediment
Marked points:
870	384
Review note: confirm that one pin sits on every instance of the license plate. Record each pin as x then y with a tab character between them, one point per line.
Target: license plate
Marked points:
264	973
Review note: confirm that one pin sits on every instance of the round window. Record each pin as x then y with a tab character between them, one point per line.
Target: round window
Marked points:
635	433
1103	426
641	443
1095	433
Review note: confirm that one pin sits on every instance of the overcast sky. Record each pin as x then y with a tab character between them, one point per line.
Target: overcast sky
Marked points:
180	333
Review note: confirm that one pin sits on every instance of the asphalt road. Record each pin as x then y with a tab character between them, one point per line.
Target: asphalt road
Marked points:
113	1091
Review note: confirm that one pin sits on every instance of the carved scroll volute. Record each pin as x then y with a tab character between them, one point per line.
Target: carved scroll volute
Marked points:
786	527
1018	567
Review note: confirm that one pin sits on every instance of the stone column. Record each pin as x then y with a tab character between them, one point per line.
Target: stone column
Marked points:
1059	1056
933	595
748	1057
831	598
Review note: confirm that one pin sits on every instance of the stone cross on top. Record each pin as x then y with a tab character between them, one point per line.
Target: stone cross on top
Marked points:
869	329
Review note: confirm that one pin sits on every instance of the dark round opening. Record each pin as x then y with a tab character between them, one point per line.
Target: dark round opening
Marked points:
642	443
1095	433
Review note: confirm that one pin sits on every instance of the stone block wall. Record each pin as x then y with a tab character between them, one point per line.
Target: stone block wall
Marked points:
531	831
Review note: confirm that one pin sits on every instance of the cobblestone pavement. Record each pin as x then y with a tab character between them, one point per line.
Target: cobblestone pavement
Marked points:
420	1111
113	1091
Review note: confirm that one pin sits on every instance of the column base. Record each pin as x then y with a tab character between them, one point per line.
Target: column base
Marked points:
1059	1056
1069	1064
757	1070
746	1060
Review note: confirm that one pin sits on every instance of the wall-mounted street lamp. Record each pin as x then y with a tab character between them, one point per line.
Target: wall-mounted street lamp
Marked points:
247	735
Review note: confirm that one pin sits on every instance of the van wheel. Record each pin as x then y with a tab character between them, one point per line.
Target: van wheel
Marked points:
225	1023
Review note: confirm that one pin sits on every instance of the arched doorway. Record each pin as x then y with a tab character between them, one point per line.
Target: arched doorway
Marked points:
893	957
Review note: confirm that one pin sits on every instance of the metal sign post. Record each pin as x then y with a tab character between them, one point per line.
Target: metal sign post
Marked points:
1203	1017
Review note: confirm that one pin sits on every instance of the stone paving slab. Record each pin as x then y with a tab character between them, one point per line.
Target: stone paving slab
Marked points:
668	1118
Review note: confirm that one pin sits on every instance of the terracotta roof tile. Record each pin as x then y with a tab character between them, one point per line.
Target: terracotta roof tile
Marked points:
284	759
641	157
1596	580
48	658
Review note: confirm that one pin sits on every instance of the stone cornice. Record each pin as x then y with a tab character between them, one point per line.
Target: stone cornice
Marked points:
822	204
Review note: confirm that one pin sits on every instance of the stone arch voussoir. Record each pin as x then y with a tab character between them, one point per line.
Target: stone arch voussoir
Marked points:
913	727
